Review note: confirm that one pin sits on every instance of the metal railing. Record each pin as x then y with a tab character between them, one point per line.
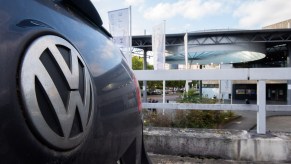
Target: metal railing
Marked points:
259	74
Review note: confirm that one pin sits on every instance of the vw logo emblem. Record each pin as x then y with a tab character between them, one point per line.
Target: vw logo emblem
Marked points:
57	92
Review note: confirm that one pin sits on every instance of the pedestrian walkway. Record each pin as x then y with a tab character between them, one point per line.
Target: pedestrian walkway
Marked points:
276	121
246	121
279	123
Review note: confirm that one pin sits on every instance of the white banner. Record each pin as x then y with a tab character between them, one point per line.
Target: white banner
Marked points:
119	26
158	46
186	50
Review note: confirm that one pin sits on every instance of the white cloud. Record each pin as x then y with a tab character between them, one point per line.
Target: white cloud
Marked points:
160	11
187	27
259	13
196	9
134	2
191	9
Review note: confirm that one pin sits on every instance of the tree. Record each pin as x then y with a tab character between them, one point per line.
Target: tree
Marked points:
137	64
179	84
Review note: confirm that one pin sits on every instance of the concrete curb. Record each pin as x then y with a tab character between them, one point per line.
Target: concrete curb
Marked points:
217	143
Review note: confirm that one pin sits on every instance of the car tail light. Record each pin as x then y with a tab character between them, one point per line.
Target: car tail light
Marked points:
138	96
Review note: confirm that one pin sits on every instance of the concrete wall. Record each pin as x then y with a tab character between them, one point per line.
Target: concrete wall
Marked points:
226	144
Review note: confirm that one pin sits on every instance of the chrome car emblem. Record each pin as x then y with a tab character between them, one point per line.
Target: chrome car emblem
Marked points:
57	92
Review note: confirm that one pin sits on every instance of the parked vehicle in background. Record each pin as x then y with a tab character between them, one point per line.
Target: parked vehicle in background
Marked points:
67	94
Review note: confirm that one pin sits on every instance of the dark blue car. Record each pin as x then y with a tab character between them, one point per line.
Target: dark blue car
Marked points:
67	94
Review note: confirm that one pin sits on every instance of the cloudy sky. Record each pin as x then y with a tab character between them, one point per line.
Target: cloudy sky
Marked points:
193	15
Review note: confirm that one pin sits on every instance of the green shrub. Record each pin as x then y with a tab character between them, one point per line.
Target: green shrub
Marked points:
156	119
190	118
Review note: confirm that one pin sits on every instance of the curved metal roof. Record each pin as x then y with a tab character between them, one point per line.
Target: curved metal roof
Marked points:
203	39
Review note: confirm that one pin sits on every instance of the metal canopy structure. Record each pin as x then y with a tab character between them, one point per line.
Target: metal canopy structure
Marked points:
219	37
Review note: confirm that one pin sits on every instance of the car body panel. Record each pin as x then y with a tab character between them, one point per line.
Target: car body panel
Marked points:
117	122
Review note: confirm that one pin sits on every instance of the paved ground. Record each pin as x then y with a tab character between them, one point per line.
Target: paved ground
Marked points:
276	121
279	123
168	159
246	121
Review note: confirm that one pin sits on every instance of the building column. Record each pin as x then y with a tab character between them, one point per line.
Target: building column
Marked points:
261	102
289	81
144	87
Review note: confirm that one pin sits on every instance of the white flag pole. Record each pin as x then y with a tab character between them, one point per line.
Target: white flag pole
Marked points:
130	38
186	49
164	61
186	59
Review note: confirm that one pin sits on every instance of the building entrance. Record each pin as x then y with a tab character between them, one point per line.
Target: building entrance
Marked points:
274	92
277	92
